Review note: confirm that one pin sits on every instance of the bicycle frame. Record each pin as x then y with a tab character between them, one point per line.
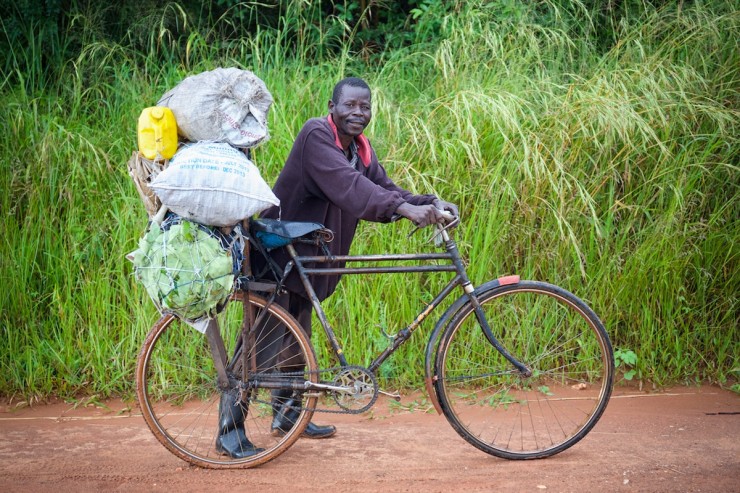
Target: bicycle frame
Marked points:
454	264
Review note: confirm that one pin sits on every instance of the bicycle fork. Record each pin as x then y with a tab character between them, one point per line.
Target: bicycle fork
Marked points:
521	367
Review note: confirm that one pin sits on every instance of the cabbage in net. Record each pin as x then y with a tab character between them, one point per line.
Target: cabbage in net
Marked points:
187	268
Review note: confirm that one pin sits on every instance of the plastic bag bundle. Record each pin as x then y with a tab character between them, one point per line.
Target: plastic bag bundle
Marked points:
186	268
224	105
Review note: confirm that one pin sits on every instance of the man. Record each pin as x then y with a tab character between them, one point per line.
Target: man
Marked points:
333	177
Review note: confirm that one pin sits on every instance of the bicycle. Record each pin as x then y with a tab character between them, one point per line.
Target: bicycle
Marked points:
520	369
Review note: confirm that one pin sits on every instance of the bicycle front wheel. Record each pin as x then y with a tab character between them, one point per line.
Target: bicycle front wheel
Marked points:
491	404
179	395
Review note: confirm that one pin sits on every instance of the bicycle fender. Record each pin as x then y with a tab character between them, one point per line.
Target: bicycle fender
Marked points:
441	324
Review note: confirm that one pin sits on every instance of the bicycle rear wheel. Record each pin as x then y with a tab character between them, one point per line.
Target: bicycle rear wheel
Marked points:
179	395
492	405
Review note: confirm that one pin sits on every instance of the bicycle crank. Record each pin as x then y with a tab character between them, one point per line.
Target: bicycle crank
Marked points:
354	389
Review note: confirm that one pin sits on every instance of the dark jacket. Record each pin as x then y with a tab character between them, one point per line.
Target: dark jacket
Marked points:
317	184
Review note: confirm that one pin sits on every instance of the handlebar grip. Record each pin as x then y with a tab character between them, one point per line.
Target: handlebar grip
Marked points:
447	215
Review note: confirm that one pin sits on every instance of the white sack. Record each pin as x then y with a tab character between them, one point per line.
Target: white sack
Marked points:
223	105
214	184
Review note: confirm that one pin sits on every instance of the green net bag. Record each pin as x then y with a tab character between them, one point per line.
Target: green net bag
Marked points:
186	268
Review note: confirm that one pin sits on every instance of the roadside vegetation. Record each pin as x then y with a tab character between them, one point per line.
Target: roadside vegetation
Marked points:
592	149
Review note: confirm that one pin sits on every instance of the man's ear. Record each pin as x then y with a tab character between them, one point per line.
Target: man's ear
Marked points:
330	105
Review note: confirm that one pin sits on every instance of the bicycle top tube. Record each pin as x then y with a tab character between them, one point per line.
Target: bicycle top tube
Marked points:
327	271
451	255
270	234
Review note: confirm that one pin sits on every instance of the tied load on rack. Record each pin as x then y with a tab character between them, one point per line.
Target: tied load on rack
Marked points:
205	182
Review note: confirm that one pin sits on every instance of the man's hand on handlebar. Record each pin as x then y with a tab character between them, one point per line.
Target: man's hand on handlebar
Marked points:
447	206
424	215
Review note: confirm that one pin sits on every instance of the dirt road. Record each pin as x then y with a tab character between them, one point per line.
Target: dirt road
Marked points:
680	439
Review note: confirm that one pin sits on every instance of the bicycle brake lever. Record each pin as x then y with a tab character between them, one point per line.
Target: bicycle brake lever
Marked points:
437	236
452	221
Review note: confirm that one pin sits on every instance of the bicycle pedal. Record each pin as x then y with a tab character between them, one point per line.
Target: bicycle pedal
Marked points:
395	396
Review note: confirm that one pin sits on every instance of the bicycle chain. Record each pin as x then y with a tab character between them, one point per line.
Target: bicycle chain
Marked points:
325	370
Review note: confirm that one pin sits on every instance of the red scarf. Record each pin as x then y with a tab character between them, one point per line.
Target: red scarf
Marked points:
363	145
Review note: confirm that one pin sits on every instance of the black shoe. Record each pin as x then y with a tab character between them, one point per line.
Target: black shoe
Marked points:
232	439
318	431
286	407
236	445
311	431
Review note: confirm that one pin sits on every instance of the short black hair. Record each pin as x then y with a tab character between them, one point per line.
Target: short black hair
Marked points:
349	81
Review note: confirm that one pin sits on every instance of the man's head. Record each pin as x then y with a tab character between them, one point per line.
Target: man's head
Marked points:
350	108
349	81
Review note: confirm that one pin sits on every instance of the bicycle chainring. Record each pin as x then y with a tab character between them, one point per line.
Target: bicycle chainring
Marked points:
359	389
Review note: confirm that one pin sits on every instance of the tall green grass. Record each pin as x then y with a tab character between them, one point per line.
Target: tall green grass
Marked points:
612	174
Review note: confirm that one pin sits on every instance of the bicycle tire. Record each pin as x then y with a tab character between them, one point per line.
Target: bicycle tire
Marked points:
491	404
178	392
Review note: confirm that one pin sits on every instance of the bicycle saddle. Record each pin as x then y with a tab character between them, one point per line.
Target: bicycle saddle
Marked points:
273	233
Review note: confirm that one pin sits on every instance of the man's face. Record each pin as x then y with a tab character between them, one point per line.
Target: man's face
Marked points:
352	113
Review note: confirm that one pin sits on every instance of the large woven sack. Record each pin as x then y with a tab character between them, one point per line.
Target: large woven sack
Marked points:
222	105
214	184
142	171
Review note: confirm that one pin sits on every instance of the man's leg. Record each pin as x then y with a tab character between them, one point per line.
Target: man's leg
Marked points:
286	404
232	438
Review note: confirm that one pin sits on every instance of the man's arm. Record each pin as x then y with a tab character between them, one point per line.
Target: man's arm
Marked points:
372	198
422	210
328	174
